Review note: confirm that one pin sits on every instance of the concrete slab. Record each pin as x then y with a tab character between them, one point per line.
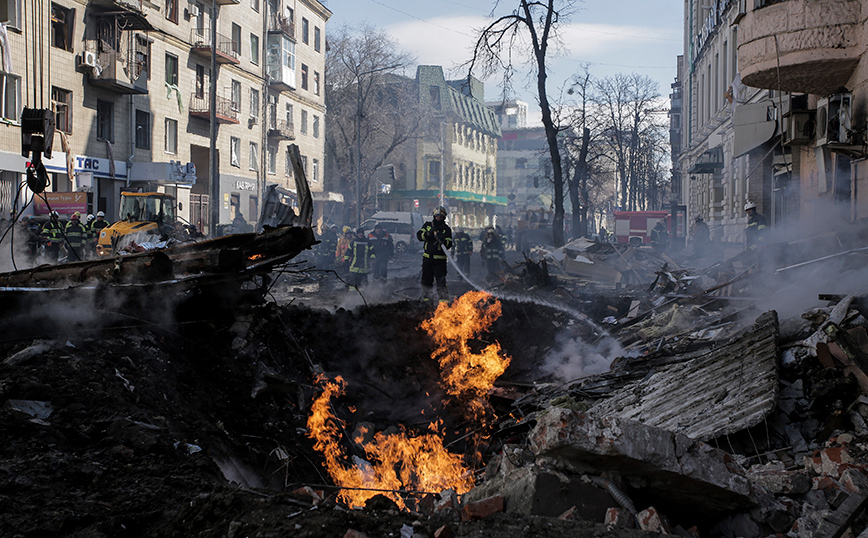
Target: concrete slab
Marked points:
724	391
658	461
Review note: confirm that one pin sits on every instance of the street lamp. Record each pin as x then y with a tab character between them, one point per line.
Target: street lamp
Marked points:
359	138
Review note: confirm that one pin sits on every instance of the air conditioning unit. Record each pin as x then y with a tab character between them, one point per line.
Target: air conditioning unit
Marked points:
799	127
833	119
89	58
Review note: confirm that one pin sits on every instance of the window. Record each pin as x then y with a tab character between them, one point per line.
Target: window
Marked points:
434	91
11	96
272	160
171	70
236	38
303	77
143	129
10	10
62	101
200	81
254	49
305	31
172	10
316	126
434	171
315	171
62	20
235	151
289	114
254	4
104	120
171	136
143	56
316	38
253	206
254	103
288	167
316	82
254	157
303	122
236	96
304	164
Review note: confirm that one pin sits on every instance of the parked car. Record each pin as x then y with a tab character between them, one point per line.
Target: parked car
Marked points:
401	225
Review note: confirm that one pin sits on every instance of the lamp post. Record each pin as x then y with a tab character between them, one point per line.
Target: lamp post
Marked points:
359	138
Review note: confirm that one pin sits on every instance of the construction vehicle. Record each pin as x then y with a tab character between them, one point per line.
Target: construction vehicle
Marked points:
146	217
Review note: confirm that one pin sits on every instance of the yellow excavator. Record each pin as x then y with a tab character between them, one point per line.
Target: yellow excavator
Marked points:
145	217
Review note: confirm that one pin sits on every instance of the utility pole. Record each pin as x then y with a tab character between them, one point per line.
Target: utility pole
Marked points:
212	155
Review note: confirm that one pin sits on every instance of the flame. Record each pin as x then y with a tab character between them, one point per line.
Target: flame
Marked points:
394	462
466	375
399	462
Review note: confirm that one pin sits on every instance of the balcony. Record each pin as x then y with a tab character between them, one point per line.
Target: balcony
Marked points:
226	112
228	2
278	24
816	43
129	13
281	130
228	52
115	71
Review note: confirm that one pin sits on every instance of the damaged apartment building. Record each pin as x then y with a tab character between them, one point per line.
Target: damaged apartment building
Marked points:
129	84
773	112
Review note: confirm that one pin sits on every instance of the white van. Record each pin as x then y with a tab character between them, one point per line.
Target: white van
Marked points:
401	225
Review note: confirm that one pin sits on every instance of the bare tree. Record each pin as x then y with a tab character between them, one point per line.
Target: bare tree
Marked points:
627	102
372	110
537	21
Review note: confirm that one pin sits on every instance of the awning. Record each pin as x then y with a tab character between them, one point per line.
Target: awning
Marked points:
753	124
708	162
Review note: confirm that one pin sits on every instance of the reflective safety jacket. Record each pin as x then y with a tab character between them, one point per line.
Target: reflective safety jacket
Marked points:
52	232
491	249
462	244
96	227
433	234
755	233
76	233
382	243
360	253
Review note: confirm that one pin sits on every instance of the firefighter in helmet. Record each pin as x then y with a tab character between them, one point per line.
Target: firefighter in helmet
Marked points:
437	238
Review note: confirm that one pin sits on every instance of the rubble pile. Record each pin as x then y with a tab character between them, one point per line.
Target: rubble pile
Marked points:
640	397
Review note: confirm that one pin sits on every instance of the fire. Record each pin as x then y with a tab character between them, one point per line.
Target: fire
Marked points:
466	375
402	463
394	462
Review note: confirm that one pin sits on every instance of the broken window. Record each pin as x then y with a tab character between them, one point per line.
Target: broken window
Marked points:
171	70
235	151
11	96
62	101
200	81
305	31
303	127
10	10
62	20
254	103
316	126
104	120
236	96
143	56
316	82
272	160
254	157
143	129
172	10
171	145
433	171
303	77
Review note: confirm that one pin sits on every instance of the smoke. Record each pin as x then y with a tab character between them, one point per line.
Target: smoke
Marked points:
572	358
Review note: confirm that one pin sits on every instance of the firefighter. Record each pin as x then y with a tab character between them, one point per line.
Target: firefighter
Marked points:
384	249
700	236
361	255
343	245
52	236
30	231
492	251
434	234
89	246
325	251
76	234
659	236
462	248
755	233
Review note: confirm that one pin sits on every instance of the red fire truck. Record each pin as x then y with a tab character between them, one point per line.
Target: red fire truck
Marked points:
634	227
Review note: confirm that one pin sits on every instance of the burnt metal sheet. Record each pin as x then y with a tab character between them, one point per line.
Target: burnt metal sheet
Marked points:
721	392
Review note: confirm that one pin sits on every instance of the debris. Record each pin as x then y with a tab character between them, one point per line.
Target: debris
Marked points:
482	508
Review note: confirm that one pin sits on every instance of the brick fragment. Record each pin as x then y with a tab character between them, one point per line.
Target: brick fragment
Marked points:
483	508
620	518
568	514
653	521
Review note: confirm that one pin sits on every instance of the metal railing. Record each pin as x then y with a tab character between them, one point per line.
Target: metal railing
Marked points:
225	110
225	45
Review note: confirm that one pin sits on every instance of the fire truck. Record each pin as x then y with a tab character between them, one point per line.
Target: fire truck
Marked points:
634	227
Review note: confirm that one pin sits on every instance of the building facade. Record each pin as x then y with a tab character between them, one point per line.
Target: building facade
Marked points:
454	160
128	83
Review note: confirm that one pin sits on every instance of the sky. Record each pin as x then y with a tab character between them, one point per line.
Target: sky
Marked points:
611	36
